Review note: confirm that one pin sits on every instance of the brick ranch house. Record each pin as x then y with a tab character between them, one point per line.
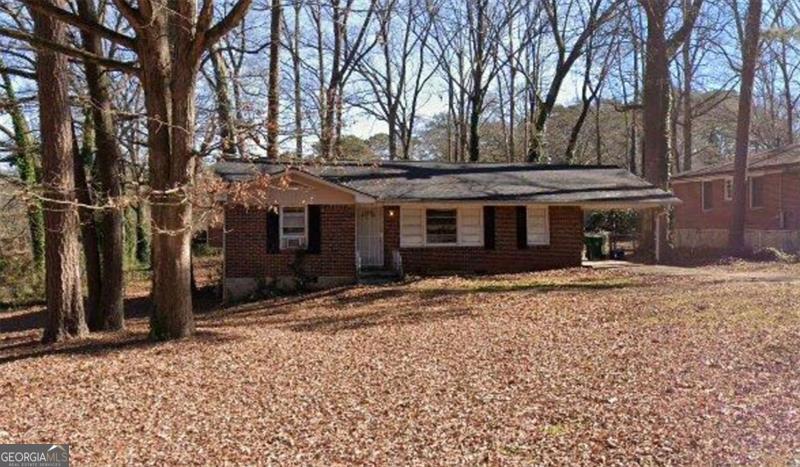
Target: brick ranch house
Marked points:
772	216
414	217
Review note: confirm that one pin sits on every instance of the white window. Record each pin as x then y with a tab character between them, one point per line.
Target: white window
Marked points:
538	225
706	194
293	227
441	226
728	189
470	226
411	227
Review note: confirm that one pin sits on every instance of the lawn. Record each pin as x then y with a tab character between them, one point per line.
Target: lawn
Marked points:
647	365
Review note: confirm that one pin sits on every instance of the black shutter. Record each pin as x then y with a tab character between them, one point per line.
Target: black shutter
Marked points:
273	231
488	227
314	229
522	227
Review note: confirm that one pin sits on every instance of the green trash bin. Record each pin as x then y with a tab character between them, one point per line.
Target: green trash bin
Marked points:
594	247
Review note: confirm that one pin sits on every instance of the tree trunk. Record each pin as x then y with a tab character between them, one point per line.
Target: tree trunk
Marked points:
474	126
108	162
298	109
687	102
569	155
170	175
65	316
655	164
749	58
89	237
227	124
656	104
142	241
273	92
29	172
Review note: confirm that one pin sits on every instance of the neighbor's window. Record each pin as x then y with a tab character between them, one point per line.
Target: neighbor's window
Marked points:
728	189
756	192
441	226
293	227
708	202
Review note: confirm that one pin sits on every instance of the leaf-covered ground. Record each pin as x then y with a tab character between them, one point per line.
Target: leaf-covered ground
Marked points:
617	366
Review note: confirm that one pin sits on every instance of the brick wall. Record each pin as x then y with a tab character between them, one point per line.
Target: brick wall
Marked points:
565	249
781	193
215	236
246	245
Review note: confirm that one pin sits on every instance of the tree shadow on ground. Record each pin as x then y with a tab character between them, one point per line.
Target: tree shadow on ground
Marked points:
388	316
350	308
95	346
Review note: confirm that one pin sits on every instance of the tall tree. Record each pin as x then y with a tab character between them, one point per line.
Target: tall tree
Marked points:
659	49
296	79
170	39
346	52
65	316
225	113
399	72
274	79
561	25
108	161
27	163
82	157
750	50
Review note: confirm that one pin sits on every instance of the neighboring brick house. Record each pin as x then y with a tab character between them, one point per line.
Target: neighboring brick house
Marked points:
327	224
772	215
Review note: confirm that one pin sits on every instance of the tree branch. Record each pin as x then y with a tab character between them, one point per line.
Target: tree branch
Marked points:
127	67
227	23
81	23
17	72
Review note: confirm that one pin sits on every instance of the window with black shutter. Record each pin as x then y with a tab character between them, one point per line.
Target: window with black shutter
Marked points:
522	227
273	231
314	229
488	227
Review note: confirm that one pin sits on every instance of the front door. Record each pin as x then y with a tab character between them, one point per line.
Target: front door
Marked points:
369	236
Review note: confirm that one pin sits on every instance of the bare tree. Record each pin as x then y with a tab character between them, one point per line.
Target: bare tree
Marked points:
590	91
27	163
750	50
170	39
346	52
398	73
561	25
65	316
273	97
110	314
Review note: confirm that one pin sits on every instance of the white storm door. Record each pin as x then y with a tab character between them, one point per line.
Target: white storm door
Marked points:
369	235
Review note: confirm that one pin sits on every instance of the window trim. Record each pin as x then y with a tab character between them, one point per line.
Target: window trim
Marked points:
703	195
528	218
750	193
425	226
727	195
459	243
281	237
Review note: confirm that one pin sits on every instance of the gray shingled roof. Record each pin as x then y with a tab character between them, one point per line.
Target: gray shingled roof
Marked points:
431	181
774	158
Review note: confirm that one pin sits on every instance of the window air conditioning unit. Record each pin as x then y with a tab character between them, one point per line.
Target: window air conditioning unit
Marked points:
294	242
